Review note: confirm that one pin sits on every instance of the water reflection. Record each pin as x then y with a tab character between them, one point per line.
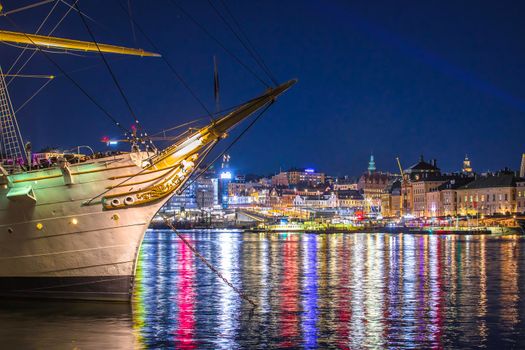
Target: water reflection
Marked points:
345	291
332	291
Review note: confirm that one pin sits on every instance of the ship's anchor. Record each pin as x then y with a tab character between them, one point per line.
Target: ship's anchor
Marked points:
207	263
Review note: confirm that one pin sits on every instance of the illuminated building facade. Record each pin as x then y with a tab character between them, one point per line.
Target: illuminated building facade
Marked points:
413	174
344	184
442	200
391	200
225	177
349	199
520	200
186	200
298	176
207	192
489	195
316	201
420	189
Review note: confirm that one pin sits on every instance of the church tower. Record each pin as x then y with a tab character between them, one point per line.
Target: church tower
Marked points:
371	165
467	168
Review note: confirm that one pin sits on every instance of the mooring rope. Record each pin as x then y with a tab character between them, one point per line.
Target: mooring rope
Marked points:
207	263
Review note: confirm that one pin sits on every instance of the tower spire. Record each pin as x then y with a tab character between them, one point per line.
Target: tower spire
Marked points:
371	164
467	168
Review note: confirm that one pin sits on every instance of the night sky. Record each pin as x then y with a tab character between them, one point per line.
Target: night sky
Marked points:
396	78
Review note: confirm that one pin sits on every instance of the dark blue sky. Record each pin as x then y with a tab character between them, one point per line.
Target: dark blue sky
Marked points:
399	78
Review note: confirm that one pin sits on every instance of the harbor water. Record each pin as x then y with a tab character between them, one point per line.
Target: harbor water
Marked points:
341	291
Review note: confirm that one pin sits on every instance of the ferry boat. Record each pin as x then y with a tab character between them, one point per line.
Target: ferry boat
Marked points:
73	230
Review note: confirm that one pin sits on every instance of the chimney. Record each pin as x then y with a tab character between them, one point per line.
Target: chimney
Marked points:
421	158
434	162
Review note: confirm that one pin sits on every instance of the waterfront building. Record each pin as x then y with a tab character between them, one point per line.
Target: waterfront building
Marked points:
413	174
313	201
207	191
349	199
287	197
372	186
308	190
520	200
240	188
296	176
489	195
391	199
442	200
225	177
186	200
345	183
420	189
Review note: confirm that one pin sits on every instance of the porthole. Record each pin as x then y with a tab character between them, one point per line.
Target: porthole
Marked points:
129	200
115	202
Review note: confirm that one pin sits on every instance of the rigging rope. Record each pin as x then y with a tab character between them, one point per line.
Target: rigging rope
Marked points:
20	9
50	33
203	117
247	45
218	42
106	63
207	263
27	46
72	7
33	96
131	22
64	73
170	66
227	148
243	33
163	132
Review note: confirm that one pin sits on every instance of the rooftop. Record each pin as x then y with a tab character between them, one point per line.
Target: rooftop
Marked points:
498	180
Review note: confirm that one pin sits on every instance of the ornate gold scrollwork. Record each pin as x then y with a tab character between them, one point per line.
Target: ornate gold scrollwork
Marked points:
153	192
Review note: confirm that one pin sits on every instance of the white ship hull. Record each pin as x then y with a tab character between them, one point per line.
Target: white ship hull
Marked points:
63	248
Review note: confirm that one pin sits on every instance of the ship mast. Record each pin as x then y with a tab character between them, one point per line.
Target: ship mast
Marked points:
11	139
69	44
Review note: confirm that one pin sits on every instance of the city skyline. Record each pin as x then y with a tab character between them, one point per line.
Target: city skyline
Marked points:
368	81
242	169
